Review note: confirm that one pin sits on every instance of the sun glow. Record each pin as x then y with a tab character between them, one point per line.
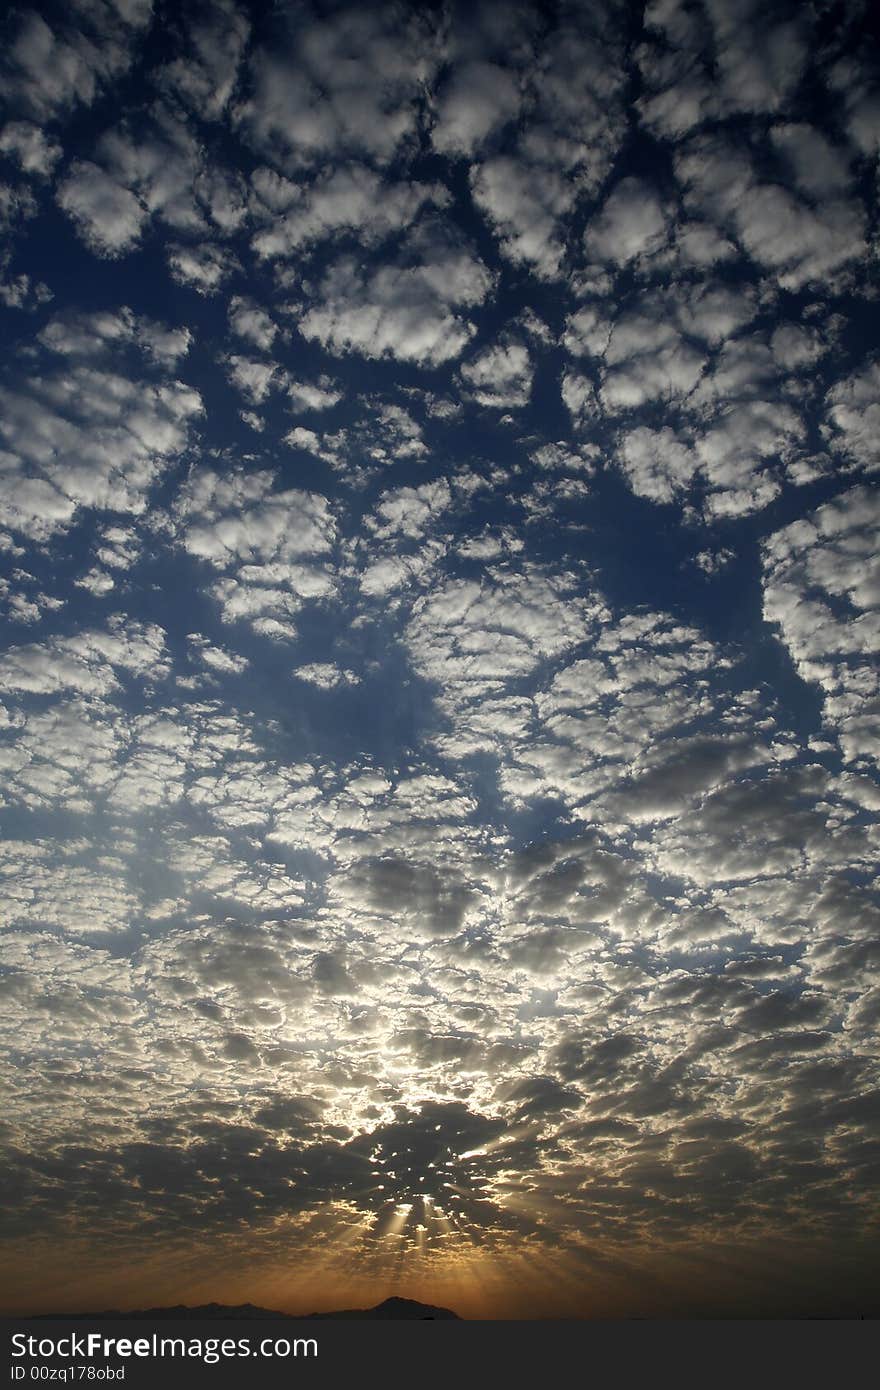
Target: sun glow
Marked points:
428	1190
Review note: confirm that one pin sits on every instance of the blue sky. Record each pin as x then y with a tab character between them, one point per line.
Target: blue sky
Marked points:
439	697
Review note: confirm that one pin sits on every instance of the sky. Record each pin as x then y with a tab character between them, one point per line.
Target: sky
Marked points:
438	453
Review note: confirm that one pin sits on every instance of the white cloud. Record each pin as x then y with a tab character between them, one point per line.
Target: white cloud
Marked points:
714	312
75	898
473	639
217	659
120	547
602	733
632	223
588	329
203	267
346	84
384	433
251	376
803	245
251	322
579	396
648	359
681	349
401	574
21	292
479	99
854	81
109	217
85	436
800	244
301	438
738	449
759	64
239	517
326	675
657	464
16	206
677	108
25	605
404	309
33	150
134	178
699	245
854	415
97	582
275	545
577	459
714	561
410	511
796	346
820	169
525	204
780	823
206	79
401	435
723	59
50	71
320	395
353	199
99	334
500	375
822	591
87	663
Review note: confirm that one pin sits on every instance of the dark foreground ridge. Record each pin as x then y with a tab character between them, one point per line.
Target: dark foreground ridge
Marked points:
393	1308
243	1312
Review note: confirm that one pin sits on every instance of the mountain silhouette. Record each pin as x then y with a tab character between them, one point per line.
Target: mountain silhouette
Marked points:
393	1308
182	1311
242	1312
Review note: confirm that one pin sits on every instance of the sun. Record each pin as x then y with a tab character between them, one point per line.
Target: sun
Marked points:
428	1183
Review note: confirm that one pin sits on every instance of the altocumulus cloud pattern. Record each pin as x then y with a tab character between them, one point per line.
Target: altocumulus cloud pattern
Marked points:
439	699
